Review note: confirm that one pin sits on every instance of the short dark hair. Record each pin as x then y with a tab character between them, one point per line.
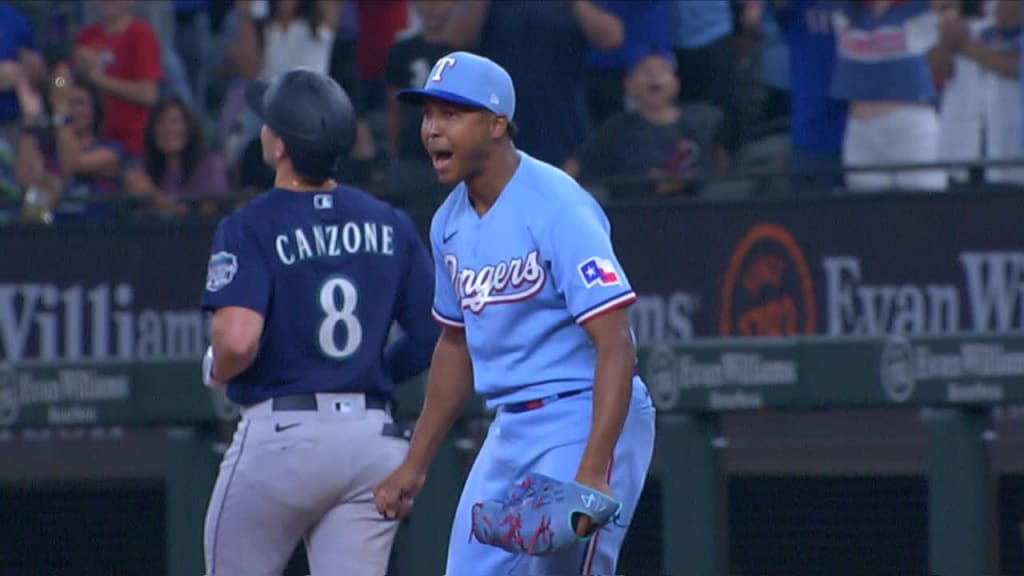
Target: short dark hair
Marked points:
512	129
314	169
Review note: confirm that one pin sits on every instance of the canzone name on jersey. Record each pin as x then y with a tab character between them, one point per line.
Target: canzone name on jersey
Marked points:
318	241
523	279
328	272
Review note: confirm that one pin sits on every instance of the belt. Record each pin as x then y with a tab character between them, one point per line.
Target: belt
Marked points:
526	406
307	402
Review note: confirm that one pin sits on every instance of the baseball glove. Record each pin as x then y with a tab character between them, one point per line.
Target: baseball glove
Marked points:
539	515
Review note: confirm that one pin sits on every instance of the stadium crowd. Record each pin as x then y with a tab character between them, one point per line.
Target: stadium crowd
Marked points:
142	101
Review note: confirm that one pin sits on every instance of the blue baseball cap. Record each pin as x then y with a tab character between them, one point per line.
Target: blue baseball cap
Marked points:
470	80
637	54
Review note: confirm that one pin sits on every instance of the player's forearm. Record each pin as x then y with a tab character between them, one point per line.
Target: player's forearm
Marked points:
234	334
613	377
449	387
228	363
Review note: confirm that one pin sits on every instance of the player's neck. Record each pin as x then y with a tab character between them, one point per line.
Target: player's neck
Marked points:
485	187
286	179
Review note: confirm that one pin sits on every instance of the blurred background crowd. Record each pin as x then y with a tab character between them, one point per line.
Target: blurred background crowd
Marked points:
115	107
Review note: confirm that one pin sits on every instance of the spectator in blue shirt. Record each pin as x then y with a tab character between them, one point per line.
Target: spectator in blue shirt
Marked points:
817	120
19	59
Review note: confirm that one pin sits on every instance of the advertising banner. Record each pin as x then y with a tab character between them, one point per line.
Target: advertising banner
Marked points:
860	266
125	293
856	266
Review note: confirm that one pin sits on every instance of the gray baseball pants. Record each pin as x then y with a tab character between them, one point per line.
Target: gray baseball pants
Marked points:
308	475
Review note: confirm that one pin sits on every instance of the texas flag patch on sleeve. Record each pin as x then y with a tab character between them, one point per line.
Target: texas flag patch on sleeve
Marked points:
598	271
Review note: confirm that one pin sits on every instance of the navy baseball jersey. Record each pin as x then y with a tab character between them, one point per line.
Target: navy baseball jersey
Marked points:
328	272
523	278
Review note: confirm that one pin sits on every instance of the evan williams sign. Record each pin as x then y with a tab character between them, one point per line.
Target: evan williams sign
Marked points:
769	290
987	296
862	278
866	266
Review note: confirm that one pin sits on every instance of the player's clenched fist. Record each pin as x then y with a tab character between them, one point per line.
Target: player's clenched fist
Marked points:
394	496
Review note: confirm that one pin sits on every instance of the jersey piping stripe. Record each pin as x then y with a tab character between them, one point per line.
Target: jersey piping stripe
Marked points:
588	557
445	320
606	306
224	499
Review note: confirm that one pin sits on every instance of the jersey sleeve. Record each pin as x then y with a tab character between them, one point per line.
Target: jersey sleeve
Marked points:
584	269
446	309
237	274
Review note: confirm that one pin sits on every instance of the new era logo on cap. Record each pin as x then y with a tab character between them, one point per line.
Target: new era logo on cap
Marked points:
468	79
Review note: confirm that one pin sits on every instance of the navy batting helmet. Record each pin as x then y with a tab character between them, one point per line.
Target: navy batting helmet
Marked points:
311	113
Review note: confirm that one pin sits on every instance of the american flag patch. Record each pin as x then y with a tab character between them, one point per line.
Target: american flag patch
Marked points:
597	271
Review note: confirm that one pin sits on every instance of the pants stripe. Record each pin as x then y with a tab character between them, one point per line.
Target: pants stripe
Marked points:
224	499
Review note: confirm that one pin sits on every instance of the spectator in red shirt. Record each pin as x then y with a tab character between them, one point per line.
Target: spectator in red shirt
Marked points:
380	24
120	56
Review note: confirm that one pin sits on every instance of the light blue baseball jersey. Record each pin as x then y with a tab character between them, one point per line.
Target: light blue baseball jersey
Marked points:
523	279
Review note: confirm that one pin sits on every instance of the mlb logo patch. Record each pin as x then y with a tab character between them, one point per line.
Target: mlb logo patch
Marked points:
323	202
598	271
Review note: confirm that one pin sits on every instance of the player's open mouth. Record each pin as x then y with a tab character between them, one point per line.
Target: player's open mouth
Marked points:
441	159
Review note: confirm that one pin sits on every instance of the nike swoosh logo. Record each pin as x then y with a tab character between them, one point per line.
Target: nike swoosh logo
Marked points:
280	428
449	236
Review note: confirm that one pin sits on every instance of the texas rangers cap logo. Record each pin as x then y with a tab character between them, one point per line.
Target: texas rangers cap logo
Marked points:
598	271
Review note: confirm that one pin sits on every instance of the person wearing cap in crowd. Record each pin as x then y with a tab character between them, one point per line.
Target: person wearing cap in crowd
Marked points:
305	283
657	136
533	304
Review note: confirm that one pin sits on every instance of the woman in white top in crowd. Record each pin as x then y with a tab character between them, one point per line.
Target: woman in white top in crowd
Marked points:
881	70
282	34
277	35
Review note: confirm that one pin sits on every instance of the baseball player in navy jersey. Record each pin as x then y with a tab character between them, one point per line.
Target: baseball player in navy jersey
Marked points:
533	302
305	282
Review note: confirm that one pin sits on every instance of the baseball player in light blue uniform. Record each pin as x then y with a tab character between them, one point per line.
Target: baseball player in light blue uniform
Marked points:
533	301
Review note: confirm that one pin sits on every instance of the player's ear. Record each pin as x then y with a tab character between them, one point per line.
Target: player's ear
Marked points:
280	153
499	126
